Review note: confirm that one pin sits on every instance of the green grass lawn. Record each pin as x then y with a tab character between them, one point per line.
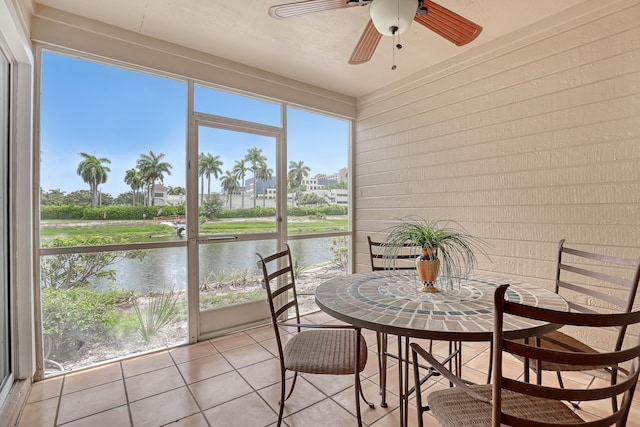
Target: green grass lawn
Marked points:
138	231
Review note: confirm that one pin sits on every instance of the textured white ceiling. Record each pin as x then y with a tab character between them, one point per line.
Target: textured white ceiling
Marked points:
313	48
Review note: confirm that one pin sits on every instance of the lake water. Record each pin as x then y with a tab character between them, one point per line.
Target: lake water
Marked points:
167	268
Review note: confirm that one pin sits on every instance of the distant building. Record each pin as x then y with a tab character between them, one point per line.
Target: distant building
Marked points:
160	193
262	187
267	189
333	196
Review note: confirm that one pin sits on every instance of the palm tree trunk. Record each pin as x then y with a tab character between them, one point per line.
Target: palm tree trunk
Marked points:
255	189
242	192
201	189
94	194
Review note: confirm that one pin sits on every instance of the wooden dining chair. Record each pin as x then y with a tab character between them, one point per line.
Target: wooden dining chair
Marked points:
511	399
312	349
591	283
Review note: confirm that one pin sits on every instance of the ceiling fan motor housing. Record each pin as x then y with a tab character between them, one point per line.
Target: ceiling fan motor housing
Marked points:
393	16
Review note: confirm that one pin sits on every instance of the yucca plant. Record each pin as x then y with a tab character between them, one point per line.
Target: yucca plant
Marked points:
455	248
160	311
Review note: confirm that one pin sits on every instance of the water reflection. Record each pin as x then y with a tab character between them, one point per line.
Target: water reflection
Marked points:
167	268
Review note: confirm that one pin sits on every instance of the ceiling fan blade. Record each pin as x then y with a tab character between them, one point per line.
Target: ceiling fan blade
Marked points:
448	24
366	45
288	10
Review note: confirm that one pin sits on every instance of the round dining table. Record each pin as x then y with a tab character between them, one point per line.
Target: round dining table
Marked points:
391	302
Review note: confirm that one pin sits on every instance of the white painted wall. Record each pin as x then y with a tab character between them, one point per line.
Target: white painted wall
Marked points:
527	142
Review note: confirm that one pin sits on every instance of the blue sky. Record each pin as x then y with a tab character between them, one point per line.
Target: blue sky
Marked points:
115	113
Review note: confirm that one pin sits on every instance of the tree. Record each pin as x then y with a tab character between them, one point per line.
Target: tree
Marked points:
53	197
123	199
106	199
230	185
239	171
152	169
297	172
78	198
342	185
208	165
255	158
134	180
177	191
212	206
264	174
309	199
92	171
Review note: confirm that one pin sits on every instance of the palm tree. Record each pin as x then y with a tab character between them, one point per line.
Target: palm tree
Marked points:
134	180
255	158
208	165
176	191
152	169
239	171
264	174
297	172
229	184
93	172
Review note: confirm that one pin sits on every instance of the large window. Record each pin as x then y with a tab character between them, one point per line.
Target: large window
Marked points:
318	197
113	278
151	212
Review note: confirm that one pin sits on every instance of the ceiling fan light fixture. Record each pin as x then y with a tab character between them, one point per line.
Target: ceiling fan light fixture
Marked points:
392	17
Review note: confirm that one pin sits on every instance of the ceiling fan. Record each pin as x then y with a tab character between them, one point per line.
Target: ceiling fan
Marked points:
389	17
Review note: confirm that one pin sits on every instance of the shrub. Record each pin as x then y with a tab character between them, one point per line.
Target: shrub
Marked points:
340	249
75	319
257	212
61	212
109	212
212	206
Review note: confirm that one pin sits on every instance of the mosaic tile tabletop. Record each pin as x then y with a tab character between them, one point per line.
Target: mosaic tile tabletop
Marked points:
391	301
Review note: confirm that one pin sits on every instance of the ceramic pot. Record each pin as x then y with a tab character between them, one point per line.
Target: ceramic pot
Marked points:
428	267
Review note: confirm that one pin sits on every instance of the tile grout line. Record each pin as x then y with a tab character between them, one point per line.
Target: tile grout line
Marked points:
186	385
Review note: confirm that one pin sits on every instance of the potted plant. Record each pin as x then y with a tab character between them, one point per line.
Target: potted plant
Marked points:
451	251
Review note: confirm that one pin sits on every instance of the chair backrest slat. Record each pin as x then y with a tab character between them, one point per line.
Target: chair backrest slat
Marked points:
630	262
596	275
279	273
402	258
593	292
286	288
285	308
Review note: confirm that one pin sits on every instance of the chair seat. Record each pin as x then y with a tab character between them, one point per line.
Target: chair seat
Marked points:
324	351
560	341
453	407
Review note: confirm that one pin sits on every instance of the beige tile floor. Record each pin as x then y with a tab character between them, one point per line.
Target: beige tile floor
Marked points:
231	381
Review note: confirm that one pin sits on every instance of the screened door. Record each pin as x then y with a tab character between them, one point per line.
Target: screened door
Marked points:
239	213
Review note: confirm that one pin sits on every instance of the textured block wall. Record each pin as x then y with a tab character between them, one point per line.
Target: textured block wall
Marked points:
534	140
